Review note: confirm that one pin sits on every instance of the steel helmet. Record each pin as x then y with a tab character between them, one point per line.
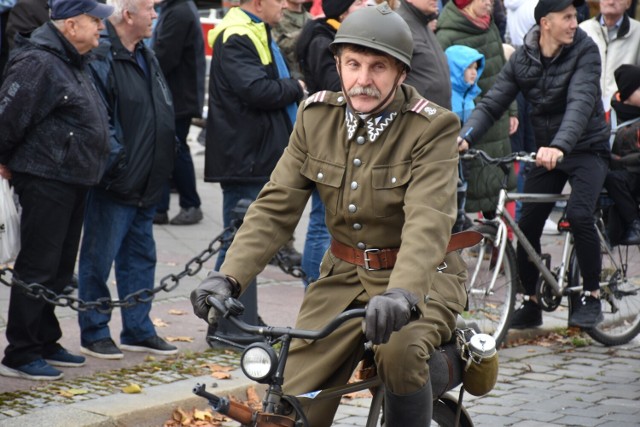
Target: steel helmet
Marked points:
378	28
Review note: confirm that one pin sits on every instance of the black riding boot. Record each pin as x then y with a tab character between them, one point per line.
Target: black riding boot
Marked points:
410	410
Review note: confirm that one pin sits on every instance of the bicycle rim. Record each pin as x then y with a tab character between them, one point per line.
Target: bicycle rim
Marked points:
620	297
490	307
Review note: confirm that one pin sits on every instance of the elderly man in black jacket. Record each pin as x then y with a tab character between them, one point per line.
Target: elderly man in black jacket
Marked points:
54	145
118	223
558	71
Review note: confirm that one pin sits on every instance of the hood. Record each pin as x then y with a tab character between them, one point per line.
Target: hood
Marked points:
459	58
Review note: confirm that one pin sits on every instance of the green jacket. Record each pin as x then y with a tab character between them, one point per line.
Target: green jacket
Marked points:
454	28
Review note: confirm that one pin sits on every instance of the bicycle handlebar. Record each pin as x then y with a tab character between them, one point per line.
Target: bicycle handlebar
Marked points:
232	308
521	156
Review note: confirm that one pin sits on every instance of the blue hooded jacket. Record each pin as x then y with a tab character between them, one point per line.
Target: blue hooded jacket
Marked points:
462	93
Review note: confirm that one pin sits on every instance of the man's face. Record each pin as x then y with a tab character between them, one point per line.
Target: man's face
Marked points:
86	32
614	8
368	78
141	19
270	11
562	25
427	7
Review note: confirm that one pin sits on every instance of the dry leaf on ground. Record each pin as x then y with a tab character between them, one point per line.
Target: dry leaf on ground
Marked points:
159	323
177	312
181	339
132	389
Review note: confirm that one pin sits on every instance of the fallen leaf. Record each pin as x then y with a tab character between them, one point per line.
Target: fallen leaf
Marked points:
200	415
177	312
221	375
182	339
159	323
72	392
132	389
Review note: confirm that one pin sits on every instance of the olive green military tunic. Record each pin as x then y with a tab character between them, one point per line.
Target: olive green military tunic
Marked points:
388	181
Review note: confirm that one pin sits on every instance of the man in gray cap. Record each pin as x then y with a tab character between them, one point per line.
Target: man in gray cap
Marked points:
54	145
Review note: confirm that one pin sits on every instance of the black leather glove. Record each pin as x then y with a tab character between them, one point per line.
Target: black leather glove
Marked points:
387	313
218	285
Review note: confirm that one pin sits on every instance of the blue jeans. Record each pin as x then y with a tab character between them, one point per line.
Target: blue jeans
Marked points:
231	195
317	241
184	175
122	233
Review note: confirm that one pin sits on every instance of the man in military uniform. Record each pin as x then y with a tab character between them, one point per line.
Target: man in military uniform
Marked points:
385	163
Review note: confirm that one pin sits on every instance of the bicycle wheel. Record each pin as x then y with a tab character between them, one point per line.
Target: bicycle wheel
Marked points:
490	305
619	292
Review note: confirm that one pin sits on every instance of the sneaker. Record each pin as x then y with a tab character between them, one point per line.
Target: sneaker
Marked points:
63	358
529	315
161	218
102	349
632	235
290	256
154	345
587	313
187	216
36	370
550	228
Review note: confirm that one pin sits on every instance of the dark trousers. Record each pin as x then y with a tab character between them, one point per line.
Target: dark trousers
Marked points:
184	175
586	174
622	187
50	228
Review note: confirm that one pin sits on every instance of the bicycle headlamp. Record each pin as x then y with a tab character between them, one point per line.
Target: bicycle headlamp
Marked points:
258	362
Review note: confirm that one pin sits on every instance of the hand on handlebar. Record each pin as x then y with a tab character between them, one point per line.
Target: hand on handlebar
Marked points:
387	313
217	285
549	157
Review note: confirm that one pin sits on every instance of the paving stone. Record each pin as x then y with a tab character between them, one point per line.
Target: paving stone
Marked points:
573	420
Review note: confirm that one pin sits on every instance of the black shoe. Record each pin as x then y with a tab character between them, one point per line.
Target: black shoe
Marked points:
632	235
289	255
161	218
587	313
102	349
187	216
154	345
529	315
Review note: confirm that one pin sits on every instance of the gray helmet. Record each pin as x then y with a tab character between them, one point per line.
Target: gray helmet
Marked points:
378	28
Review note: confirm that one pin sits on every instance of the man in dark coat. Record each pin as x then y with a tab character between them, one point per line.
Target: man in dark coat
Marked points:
54	145
558	72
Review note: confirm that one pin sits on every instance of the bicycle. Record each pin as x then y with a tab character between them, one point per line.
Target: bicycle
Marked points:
262	364
493	277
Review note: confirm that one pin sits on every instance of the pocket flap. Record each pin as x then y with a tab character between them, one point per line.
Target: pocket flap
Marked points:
391	176
323	172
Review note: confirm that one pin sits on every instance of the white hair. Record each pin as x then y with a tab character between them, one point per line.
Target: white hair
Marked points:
120	6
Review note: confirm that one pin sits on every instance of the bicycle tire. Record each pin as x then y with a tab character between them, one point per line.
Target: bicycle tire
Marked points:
492	311
620	296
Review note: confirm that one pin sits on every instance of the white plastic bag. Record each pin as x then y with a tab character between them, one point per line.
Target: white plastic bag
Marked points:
9	224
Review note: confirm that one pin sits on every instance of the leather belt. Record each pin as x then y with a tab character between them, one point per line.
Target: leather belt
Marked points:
371	259
383	259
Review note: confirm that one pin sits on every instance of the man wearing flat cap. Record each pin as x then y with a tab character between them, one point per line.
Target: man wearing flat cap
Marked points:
558	71
54	145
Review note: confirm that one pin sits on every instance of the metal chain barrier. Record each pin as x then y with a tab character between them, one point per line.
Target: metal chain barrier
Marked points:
167	283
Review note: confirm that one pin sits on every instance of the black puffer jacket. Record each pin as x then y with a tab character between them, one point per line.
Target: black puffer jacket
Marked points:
564	96
140	110
52	122
316	60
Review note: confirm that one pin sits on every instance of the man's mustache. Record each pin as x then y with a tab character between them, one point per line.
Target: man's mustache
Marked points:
364	90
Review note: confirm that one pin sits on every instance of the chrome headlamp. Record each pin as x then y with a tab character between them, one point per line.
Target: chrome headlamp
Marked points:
258	362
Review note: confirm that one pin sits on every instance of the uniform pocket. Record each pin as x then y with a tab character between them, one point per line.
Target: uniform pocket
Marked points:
389	183
328	178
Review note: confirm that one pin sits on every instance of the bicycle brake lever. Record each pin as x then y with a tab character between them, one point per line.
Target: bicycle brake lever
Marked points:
234	307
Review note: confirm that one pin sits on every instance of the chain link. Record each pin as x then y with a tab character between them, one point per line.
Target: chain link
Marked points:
167	283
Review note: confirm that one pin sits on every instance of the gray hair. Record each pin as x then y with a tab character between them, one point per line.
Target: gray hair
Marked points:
120	6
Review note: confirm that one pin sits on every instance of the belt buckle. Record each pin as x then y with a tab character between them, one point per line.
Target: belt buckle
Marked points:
367	259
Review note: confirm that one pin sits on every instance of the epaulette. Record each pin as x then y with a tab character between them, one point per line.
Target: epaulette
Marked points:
423	107
325	97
